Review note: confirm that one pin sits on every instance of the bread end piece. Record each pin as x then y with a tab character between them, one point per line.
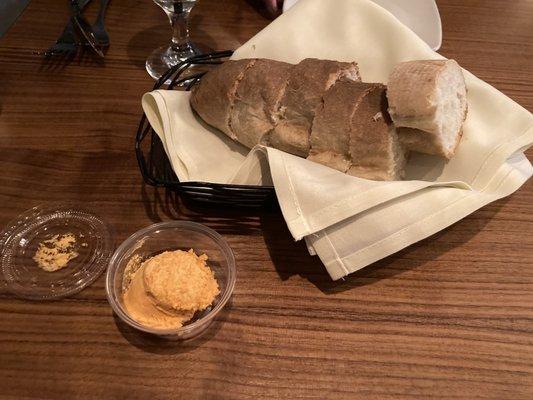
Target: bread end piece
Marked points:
429	98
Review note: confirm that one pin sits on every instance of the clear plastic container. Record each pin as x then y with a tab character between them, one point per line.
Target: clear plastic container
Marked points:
21	238
170	236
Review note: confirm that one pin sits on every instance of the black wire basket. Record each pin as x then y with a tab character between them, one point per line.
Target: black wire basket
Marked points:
153	161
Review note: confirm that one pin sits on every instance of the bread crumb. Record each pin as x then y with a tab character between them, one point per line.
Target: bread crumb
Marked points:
377	117
55	253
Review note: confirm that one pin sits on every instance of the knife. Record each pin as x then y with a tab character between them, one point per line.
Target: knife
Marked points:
84	28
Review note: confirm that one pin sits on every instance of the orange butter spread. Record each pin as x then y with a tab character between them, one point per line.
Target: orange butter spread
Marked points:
166	290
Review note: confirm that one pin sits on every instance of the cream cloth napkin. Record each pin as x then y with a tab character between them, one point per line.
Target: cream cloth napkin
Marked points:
350	222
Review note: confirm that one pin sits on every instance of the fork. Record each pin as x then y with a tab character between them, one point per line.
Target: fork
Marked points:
67	43
99	27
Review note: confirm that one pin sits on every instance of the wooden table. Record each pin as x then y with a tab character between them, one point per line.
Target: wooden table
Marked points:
450	317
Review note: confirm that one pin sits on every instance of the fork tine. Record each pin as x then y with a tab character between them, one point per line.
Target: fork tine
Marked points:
52	50
61	48
52	53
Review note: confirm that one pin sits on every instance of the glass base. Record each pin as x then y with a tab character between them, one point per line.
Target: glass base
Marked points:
165	57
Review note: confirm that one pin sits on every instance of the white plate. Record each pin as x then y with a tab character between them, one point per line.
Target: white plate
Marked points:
422	16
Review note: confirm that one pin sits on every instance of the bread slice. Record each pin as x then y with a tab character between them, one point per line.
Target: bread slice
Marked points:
332	126
422	142
256	100
214	97
353	133
430	98
375	149
307	83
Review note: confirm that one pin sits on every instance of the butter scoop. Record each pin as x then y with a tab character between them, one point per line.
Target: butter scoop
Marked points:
179	280
142	308
167	289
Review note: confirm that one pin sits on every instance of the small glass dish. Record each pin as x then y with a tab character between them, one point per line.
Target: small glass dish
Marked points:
171	236
21	238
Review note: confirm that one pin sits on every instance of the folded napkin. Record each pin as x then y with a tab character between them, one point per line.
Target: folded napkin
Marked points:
347	221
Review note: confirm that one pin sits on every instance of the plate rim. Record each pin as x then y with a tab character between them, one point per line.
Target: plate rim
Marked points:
435	45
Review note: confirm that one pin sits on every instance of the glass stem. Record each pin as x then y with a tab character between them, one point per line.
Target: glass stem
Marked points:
180	30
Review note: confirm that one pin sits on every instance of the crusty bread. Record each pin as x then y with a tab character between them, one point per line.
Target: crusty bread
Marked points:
429	97
213	100
307	83
375	150
421	142
319	109
332	126
353	133
257	99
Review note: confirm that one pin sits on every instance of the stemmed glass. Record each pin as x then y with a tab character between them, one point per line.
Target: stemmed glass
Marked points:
180	48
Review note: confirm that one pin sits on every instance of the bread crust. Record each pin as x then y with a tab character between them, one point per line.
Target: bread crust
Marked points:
332	125
214	97
411	92
418	140
307	83
375	149
257	99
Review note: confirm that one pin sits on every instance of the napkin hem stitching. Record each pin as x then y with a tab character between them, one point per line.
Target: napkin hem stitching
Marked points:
189	165
494	153
338	259
291	188
419	222
316	226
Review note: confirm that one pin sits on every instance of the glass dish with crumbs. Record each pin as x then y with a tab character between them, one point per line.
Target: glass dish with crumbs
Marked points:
53	251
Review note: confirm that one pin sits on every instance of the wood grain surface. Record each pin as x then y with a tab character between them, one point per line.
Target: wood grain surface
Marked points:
450	317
